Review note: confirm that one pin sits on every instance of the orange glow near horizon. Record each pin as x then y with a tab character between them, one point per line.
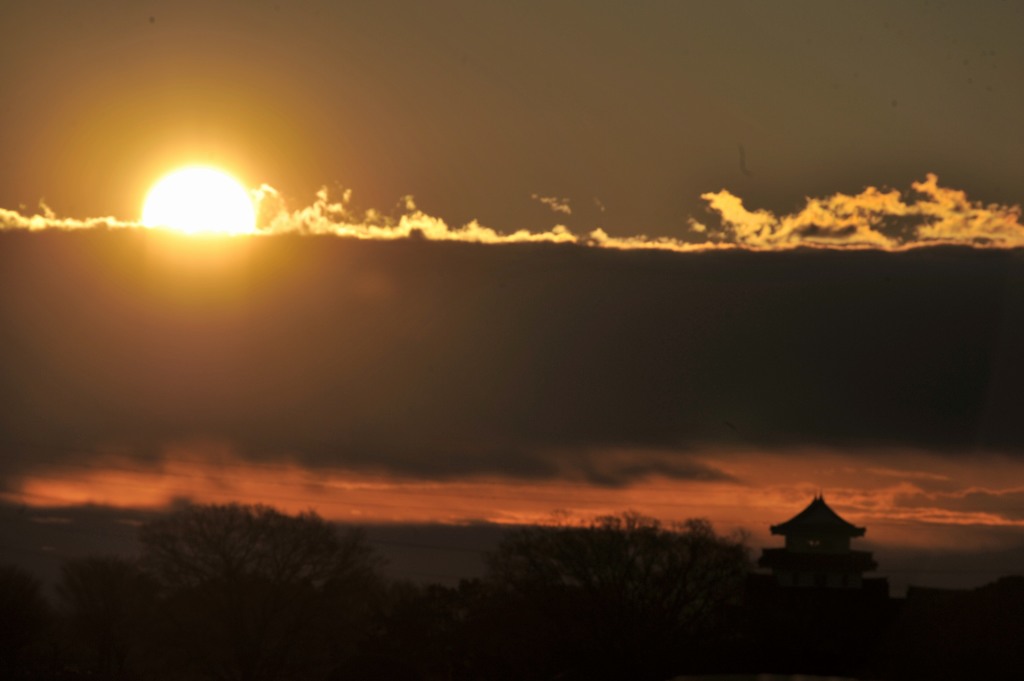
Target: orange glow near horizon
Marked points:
878	500
200	200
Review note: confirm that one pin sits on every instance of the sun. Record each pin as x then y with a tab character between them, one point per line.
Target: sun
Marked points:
200	200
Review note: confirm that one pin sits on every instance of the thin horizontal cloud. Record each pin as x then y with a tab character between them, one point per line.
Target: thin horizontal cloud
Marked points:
47	219
874	219
998	505
203	472
338	217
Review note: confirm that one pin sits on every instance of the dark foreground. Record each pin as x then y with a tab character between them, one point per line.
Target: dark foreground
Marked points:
245	593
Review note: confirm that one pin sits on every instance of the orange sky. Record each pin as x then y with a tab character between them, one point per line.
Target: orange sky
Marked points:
904	507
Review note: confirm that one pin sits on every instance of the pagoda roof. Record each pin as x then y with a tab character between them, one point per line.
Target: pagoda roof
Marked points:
818	517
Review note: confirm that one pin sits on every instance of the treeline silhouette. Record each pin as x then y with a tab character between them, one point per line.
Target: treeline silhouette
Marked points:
246	593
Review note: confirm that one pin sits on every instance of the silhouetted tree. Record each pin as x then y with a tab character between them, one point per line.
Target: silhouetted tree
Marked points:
254	594
24	624
624	596
106	604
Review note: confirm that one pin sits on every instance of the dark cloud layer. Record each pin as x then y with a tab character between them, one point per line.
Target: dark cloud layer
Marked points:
531	360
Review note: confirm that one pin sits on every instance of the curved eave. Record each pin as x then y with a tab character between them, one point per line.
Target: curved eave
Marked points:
818	518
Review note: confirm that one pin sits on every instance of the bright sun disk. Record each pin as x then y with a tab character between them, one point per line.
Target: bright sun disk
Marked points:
200	200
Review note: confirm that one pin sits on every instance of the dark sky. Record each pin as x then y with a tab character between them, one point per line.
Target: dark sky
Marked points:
702	258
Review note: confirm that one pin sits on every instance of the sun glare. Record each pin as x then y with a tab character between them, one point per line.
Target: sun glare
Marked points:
200	200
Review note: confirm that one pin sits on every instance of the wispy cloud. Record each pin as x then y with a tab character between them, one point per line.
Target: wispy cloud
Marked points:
556	204
875	219
339	217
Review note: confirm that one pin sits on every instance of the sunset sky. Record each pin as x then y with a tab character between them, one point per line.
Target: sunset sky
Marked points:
686	258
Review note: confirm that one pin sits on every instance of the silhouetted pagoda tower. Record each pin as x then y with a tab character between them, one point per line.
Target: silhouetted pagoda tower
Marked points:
817	551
